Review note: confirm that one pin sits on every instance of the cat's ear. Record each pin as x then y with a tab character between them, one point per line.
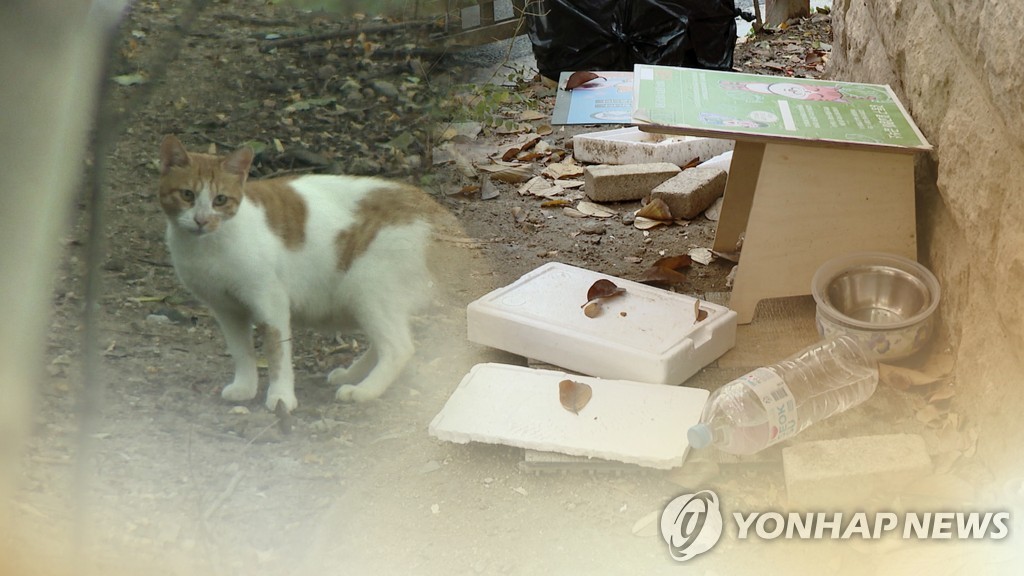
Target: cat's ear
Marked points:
238	162
172	154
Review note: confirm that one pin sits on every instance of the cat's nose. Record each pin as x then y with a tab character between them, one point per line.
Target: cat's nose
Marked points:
201	222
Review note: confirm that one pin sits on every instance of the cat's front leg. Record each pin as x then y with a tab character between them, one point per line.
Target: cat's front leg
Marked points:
237	329
277	345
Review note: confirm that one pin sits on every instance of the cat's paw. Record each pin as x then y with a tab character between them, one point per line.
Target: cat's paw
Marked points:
340	375
238	392
288	398
349	393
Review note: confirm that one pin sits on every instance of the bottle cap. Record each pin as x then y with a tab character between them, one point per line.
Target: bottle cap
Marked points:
699	436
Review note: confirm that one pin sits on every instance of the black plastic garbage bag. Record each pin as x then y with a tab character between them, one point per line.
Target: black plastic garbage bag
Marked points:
570	35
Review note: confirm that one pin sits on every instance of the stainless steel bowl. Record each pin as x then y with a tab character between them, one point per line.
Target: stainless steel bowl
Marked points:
885	301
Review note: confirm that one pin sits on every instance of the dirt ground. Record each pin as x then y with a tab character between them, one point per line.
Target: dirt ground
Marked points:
184	483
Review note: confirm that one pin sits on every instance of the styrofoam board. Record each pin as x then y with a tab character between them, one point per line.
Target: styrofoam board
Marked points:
625	421
647	334
633	146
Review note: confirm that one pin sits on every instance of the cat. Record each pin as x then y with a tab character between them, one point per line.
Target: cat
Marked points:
329	252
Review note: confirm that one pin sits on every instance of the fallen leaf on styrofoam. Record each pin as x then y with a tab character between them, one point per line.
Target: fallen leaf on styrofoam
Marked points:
573	395
701	255
595	210
577	79
604	288
656	209
592	309
699	313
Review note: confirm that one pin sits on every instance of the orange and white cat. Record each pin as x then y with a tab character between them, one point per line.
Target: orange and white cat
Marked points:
330	252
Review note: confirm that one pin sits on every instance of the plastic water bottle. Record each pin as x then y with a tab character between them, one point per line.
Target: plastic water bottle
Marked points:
774	403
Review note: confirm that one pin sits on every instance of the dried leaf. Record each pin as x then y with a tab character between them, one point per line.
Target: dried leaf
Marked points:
573	395
665	271
595	210
641	223
560	170
656	209
529	142
535	182
592	309
604	288
545	129
488	190
692	163
531	115
730	256
699	314
129	79
511	153
674	262
467	190
904	378
577	79
556	203
701	255
512	174
943	393
929	414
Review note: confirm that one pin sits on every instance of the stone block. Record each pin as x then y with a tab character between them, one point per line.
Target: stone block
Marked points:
692	191
604	183
852	471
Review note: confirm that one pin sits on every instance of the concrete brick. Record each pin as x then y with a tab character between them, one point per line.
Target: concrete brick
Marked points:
852	471
692	191
634	146
604	183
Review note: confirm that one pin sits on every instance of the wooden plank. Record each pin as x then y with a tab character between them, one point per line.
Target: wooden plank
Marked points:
739	194
814	203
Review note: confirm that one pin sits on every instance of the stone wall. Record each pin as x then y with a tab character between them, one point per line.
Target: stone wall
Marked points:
959	69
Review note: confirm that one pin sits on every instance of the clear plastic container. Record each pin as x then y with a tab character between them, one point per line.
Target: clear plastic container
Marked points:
774	403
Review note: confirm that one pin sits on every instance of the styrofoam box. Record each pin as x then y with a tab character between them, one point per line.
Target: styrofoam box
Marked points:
633	146
646	334
632	422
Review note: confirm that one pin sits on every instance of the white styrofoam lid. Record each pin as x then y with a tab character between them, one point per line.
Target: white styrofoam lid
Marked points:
643	318
626	421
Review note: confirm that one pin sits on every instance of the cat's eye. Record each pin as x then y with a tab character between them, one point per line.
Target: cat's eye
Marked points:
188	195
220	200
